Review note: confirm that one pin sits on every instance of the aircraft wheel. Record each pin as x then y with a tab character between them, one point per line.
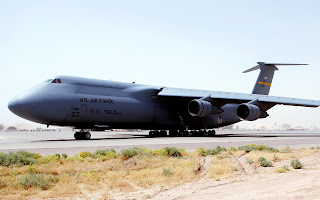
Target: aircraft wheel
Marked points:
77	135
211	133
202	133
87	135
184	133
173	133
156	133
163	134
151	133
205	133
194	133
178	133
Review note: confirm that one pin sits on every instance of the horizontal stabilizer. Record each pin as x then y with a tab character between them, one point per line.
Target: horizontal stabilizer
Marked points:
266	64
252	69
284	64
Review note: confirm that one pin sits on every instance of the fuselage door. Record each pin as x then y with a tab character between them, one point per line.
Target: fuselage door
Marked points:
83	112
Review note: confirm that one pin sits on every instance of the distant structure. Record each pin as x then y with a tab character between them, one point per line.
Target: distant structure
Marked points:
229	127
279	127
11	128
27	127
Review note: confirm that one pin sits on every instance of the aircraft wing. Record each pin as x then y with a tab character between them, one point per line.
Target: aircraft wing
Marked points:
222	98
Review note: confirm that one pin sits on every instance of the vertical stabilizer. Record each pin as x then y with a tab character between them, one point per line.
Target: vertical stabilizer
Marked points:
263	83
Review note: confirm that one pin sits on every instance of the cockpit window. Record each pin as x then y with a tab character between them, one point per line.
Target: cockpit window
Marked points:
56	81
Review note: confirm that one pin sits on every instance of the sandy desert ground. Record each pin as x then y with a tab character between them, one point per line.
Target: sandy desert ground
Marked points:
248	183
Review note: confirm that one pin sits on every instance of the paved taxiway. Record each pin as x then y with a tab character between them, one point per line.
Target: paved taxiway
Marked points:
63	142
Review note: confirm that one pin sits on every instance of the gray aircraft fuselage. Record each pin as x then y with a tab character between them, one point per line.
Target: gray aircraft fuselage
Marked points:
92	104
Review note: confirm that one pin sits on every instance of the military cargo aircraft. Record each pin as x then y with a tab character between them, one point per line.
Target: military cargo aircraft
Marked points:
89	104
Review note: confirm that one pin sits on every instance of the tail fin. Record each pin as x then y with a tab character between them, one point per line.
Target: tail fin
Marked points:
265	77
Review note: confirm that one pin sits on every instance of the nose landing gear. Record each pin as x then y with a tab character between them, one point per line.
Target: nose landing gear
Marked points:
82	135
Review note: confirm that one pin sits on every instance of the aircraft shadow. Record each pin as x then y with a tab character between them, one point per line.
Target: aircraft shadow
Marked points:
265	136
93	139
131	137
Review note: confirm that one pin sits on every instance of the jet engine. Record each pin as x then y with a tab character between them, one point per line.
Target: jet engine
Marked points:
249	112
201	108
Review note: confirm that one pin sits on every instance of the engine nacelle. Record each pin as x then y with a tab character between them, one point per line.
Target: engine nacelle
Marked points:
249	112
201	108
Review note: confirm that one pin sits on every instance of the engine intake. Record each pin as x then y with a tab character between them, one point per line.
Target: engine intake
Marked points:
249	112
201	108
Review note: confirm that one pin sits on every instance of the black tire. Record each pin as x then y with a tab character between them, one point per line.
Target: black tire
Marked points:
87	135
163	134
151	133
201	133
184	133
211	133
180	134
77	136
192	134
173	133
195	133
156	133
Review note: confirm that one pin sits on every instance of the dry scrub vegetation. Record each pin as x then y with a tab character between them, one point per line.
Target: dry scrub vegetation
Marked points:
25	175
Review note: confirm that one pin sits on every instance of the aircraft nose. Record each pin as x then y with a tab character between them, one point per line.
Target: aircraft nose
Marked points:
12	105
37	105
22	105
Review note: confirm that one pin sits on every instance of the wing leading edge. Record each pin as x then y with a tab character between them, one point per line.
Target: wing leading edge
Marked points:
222	98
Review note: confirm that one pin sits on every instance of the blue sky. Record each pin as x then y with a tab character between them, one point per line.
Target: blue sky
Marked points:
188	44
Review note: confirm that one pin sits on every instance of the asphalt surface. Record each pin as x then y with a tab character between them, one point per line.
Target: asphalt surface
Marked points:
63	142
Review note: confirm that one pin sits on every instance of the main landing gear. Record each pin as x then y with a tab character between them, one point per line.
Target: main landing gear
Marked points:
183	133
82	135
